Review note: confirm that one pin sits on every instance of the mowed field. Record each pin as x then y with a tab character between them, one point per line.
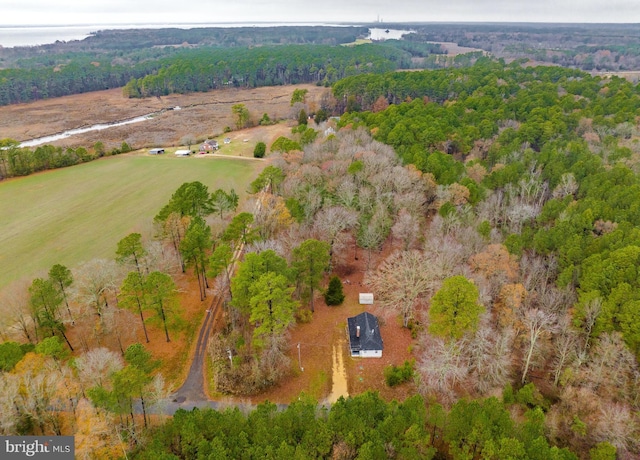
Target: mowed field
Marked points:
73	215
76	214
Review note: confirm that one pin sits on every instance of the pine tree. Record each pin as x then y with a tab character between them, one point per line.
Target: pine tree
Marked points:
334	294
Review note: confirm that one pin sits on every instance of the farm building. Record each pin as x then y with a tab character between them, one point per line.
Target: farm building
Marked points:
183	153
209	146
365	340
156	151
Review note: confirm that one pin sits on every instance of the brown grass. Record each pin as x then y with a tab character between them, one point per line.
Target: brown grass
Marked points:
202	115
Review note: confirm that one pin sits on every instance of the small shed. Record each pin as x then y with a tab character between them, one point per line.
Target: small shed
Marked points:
156	151
366	298
183	153
365	340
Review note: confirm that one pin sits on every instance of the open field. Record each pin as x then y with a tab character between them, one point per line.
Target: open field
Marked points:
201	115
75	214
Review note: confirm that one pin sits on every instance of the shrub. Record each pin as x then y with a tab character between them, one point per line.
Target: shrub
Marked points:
283	144
304	316
508	396
334	294
260	150
395	375
265	120
529	396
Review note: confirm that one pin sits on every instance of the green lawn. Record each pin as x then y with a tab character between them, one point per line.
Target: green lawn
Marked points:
75	214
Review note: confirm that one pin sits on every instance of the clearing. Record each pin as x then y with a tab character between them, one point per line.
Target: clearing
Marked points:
201	115
75	214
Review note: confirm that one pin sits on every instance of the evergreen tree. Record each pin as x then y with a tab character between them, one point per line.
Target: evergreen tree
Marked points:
334	294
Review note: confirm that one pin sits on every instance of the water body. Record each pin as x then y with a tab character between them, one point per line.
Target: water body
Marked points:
44	35
71	132
387	34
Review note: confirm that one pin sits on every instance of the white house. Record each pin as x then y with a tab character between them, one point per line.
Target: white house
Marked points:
183	153
365	340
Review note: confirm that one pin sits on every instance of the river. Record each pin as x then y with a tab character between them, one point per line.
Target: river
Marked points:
71	132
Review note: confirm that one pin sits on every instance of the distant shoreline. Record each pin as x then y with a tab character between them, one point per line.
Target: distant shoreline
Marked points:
35	35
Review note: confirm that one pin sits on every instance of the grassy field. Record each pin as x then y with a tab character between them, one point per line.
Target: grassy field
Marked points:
76	214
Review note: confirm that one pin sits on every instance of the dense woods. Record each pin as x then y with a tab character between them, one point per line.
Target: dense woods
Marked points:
156	62
175	60
203	70
364	426
496	208
591	47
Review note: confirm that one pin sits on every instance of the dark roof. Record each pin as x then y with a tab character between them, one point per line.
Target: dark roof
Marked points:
370	338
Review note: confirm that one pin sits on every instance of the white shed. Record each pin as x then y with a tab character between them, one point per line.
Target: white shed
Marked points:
366	298
183	153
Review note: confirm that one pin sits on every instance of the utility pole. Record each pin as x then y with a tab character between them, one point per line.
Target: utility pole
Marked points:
299	359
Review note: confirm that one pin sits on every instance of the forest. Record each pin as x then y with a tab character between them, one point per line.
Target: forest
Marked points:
176	60
496	207
603	47
159	62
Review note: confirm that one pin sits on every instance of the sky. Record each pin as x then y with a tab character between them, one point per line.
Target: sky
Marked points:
73	12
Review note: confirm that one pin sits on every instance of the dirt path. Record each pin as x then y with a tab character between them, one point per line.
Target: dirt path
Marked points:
339	384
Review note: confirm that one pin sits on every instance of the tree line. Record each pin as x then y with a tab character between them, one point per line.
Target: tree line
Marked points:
178	70
204	70
18	161
365	427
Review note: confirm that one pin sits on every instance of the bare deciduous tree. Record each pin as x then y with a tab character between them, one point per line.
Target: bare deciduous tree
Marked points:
566	348
442	367
96	281
10	413
490	357
96	365
401	281
446	255
612	370
589	315
373	232
617	426
15	301
330	223
406	229
536	323
347	192
567	186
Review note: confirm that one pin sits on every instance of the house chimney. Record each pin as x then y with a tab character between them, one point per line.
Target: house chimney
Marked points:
357	331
